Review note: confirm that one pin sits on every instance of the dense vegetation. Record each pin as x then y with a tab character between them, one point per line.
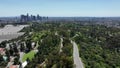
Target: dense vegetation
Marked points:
49	54
99	45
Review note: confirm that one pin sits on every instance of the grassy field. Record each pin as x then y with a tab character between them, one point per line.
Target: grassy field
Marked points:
29	55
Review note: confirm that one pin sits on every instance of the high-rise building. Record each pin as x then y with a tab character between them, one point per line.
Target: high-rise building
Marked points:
27	18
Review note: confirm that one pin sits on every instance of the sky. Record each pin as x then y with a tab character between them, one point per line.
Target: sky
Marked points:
61	8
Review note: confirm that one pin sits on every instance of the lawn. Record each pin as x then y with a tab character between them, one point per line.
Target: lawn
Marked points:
29	55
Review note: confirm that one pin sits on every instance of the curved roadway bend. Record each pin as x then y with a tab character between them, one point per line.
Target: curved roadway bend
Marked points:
77	60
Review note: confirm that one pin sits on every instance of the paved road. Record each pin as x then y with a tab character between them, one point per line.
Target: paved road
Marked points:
21	56
77	60
61	45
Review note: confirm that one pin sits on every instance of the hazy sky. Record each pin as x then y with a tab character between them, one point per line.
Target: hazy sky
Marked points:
60	7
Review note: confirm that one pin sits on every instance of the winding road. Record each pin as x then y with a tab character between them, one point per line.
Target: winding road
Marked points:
77	60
